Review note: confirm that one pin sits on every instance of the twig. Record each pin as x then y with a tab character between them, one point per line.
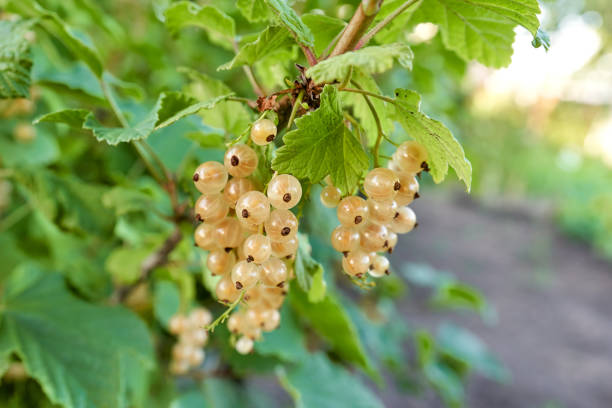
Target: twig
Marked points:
309	54
378	124
249	73
296	107
156	259
361	20
370	34
223	317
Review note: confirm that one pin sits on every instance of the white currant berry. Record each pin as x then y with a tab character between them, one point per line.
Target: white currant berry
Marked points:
344	239
240	160
330	196
234	322
211	208
381	211
244	345
196	337
204	236
257	248
196	357
236	188
210	177
353	212
410	157
177	324
273	298
200	317
220	261
282	225
356	263
253	208
179	367
409	189
254	317
226	290
245	274
373	237
379	266
274	272
391	242
228	233
404	220
381	184
284	191
270	319
181	350
283	249
263	132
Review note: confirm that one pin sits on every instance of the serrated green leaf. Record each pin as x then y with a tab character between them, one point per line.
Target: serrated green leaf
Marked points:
228	116
324	29
362	111
170	107
271	40
254	10
329	319
55	26
289	18
480	29
442	148
15	61
82	355
166	301
317	382
208	17
372	60
322	145
306	267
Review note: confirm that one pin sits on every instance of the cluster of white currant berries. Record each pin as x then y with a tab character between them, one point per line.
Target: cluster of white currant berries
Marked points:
369	227
192	337
250	246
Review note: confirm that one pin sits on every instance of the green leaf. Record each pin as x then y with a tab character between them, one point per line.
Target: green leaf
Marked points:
286	342
306	268
289	18
254	10
480	29
329	319
55	26
81	354
170	107
192	399
166	301
15	61
210	18
459	295
318	286
362	111
372	60
231	117
317	382
271	40
124	264
442	148
324	29
322	145
541	38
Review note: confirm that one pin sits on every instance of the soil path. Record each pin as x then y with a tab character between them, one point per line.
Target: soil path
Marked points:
552	295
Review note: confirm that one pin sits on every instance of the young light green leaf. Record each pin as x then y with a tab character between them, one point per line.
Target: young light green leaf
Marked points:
53	25
272	39
210	18
306	268
289	18
442	148
15	62
540	39
373	60
170	107
254	10
324	29
480	29
332	386
318	286
330	320
322	145
81	354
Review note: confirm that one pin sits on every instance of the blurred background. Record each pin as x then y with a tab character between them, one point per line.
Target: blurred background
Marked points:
533	238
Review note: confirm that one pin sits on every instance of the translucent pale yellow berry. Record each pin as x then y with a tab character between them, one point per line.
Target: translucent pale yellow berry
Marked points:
373	237
245	274
211	208
404	220
284	191
228	233
356	263
379	266
282	225
240	160
204	236
210	177
274	272
257	248
353	212
344	239
381	184
381	211
235	189
330	196
410	157
253	208
220	261
263	132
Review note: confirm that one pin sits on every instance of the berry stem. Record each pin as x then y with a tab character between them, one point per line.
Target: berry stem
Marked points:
370	34
296	107
223	317
368	93
378	124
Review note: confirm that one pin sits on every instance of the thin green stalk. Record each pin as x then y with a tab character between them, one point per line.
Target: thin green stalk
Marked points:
370	34
347	78
223	317
296	106
14	217
113	103
372	94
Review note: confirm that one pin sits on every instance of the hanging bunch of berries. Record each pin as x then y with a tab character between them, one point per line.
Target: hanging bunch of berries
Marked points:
251	235
192	337
369	226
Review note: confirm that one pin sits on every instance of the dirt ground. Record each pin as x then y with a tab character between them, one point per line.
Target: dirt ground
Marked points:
553	298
